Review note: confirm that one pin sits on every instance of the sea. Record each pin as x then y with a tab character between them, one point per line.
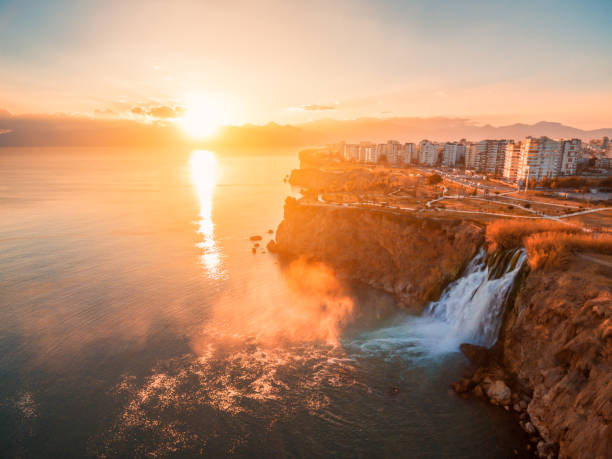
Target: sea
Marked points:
139	319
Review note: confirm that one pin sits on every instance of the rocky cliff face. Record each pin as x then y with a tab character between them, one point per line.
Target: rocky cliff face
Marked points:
552	363
556	345
412	257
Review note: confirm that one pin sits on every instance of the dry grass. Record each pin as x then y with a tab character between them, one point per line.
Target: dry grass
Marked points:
549	244
507	234
551	249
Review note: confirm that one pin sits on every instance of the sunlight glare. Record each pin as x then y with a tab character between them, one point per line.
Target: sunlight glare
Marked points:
203	167
202	118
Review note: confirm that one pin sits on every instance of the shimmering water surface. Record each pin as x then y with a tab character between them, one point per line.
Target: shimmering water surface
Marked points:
135	320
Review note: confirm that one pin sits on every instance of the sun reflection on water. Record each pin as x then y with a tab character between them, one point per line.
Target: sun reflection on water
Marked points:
203	167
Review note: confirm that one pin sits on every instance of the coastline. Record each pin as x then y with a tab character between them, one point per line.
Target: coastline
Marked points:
553	354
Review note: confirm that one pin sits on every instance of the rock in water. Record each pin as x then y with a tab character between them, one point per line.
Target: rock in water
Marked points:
499	393
255	238
271	246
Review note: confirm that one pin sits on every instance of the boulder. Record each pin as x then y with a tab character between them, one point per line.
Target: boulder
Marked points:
463	385
271	246
499	393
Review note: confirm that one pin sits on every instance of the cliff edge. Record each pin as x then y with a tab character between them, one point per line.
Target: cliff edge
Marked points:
412	257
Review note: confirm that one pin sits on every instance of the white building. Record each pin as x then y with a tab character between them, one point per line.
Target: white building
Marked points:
392	150
539	158
371	154
452	153
428	153
351	152
569	152
511	160
487	156
408	153
362	150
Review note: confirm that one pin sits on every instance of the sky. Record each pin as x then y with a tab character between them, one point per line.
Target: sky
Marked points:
290	62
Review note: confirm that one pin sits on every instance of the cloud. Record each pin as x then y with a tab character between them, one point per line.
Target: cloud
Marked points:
313	108
159	112
166	112
104	112
138	111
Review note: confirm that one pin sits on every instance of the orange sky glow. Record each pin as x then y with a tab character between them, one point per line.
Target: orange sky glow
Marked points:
206	64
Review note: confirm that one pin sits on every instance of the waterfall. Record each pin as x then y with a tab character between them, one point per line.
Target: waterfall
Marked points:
469	310
472	306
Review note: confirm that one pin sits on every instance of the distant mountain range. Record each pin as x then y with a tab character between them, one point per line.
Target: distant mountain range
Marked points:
81	131
439	129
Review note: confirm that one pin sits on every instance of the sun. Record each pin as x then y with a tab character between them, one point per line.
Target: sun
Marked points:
201	119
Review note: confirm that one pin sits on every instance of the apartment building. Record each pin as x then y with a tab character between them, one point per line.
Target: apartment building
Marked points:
351	152
539	158
452	153
487	156
569	152
362	150
511	160
392	151
428	153
408	153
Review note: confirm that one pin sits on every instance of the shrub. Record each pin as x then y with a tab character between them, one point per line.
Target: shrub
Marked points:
551	249
434	179
506	234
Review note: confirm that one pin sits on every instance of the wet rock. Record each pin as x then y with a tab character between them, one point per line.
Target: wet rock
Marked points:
254	250
529	428
548	450
270	231
256	244
499	393
255	238
463	386
478	392
393	390
478	355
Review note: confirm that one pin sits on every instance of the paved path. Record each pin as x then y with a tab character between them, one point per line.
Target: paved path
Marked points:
588	211
394	209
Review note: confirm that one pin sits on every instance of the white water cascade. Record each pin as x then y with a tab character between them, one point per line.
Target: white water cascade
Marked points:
473	305
469	310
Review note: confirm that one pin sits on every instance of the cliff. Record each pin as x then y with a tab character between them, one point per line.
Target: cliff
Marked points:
556	345
412	257
552	363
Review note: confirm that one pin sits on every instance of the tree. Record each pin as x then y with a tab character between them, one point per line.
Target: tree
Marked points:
434	179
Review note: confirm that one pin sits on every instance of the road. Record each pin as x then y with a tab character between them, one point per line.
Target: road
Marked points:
398	210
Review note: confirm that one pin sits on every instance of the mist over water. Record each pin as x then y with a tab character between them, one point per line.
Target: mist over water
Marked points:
135	320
